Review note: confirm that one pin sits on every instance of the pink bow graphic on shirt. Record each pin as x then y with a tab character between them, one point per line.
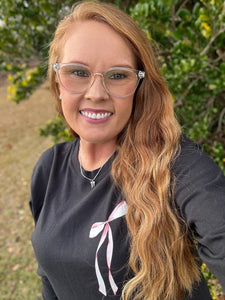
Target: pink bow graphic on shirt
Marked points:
119	211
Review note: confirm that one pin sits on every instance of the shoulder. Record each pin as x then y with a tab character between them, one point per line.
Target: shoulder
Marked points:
51	158
57	149
46	167
199	182
55	152
192	160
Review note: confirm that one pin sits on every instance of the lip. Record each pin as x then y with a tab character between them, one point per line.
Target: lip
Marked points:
98	115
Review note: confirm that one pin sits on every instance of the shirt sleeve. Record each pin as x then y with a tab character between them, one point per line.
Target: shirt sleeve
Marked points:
47	290
200	196
39	184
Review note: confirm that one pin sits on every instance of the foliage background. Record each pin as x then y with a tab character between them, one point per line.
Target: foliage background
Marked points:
188	37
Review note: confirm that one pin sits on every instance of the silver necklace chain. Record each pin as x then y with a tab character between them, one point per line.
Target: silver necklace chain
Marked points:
92	180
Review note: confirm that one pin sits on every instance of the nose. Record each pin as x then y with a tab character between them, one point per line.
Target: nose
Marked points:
97	91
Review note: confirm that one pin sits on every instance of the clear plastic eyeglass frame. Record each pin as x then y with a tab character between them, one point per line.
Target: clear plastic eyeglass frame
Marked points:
139	76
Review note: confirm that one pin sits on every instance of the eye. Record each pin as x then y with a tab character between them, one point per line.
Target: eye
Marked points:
80	73
116	75
75	71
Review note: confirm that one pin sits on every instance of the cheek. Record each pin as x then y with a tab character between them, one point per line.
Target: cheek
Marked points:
127	114
66	107
69	107
69	101
125	111
126	108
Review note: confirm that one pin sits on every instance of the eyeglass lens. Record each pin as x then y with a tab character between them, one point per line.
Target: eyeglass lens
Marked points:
117	81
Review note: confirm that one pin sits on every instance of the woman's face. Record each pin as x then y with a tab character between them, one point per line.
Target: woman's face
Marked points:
99	47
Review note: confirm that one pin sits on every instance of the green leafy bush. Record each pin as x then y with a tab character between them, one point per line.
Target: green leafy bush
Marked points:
23	83
26	28
57	129
189	39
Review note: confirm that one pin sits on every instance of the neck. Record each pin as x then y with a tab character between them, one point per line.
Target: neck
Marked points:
92	156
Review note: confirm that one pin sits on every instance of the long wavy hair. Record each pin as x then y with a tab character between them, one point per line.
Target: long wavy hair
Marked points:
161	253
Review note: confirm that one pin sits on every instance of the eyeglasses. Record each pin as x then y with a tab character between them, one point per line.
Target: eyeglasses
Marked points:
77	78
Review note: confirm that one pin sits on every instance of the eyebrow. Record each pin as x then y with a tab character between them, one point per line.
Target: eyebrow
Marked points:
122	65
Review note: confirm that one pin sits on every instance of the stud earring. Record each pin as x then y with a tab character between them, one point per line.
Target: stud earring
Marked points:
60	97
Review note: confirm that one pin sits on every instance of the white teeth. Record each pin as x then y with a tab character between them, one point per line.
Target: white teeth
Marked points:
95	116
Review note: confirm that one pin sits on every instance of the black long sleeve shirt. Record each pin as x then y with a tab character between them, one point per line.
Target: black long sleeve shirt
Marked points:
74	224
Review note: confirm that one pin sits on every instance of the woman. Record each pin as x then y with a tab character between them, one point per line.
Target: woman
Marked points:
116	209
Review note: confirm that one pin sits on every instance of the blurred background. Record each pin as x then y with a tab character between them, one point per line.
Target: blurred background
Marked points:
189	39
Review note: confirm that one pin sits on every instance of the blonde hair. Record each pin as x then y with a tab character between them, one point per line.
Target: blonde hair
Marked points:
161	254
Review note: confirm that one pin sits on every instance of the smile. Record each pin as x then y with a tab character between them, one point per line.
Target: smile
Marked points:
95	116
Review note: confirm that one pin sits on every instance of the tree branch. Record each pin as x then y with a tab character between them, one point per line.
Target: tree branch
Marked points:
181	98
221	55
173	14
222	114
213	37
182	5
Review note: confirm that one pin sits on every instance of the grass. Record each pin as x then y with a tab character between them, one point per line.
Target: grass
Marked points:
20	147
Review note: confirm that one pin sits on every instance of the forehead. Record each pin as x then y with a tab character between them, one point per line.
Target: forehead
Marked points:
92	41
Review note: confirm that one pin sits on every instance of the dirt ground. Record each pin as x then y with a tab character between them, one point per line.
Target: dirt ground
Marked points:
20	147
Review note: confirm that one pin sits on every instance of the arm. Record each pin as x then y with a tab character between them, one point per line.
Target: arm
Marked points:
200	195
39	184
47	290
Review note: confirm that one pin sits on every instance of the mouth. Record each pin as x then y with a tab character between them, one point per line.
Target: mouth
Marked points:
96	115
